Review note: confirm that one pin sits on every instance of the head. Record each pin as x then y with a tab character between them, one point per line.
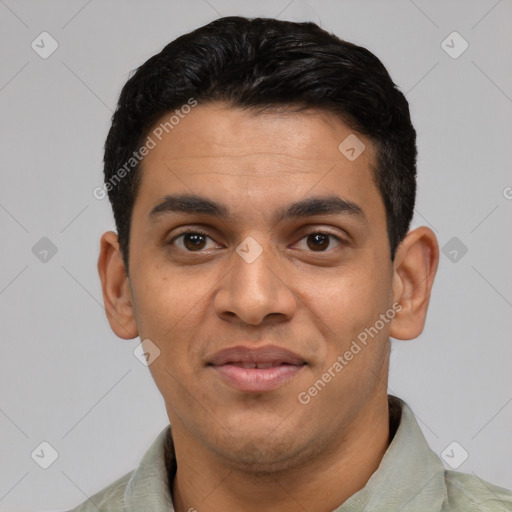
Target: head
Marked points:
290	158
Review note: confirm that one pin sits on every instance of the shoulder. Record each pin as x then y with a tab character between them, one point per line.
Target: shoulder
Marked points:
474	494
110	499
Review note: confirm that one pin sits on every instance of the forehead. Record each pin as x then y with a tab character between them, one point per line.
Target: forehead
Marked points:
234	155
216	129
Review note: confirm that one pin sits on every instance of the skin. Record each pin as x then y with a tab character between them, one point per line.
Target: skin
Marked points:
267	451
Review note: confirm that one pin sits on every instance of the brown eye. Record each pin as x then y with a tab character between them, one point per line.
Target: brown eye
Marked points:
192	241
320	241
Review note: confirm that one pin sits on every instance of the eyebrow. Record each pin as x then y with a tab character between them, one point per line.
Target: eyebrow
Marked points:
193	204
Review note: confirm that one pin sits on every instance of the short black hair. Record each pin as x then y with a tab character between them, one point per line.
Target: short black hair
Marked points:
261	63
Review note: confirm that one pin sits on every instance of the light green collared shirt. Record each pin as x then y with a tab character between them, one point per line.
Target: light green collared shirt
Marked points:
410	478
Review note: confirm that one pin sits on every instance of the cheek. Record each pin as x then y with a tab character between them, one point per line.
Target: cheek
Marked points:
356	344
170	317
163	297
171	307
353	300
157	307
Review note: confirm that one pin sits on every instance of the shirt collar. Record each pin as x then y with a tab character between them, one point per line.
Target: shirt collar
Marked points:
149	483
409	475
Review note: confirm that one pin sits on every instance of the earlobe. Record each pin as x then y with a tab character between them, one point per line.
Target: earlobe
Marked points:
115	287
415	268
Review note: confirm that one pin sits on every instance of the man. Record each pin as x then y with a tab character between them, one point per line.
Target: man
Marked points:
262	177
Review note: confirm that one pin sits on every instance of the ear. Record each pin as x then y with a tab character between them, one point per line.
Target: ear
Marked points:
115	284
415	267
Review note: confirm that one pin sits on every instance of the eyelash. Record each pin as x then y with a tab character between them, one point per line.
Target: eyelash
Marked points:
314	232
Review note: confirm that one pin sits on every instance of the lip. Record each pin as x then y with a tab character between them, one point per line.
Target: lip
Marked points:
237	366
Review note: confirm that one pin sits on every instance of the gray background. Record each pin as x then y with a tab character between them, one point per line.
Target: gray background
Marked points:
68	380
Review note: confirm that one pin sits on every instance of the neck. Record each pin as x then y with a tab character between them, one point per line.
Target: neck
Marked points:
205	483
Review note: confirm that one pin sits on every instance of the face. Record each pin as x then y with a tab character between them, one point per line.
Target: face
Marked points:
255	272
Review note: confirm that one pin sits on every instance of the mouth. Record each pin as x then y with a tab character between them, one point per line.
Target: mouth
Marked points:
271	364
256	370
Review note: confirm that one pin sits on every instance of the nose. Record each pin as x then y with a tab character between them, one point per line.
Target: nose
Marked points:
256	291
